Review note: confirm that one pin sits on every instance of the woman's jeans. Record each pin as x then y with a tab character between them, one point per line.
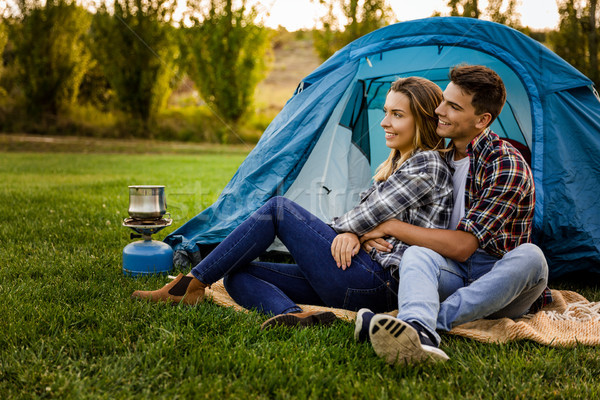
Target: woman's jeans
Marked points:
315	278
440	293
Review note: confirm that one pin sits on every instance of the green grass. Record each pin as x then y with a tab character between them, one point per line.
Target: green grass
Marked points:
69	330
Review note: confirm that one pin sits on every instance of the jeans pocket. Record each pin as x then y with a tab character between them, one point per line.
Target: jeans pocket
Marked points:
378	299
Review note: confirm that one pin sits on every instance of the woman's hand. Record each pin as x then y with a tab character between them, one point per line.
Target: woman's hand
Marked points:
343	248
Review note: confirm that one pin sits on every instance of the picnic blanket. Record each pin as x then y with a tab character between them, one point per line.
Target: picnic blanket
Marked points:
569	320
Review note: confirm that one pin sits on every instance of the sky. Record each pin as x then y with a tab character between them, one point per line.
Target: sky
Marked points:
298	14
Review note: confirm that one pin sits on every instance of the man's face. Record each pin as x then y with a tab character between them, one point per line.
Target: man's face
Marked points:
457	118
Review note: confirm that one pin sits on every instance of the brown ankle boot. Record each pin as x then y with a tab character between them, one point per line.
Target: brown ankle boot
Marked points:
301	320
183	289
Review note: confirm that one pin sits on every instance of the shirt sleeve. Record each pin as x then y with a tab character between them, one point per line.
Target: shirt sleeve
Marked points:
407	187
503	183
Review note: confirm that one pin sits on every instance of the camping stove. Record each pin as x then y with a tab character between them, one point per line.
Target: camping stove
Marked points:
146	256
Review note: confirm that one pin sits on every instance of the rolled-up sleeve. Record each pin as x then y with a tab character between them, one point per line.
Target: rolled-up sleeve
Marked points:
407	188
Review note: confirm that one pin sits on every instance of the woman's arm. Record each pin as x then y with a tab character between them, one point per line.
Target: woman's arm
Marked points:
456	245
409	187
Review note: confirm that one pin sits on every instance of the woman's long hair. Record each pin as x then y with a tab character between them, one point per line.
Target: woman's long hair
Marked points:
424	97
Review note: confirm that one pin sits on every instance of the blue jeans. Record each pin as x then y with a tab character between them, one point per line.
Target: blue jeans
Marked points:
314	279
440	293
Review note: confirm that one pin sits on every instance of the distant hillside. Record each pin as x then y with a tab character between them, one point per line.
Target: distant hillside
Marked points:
294	58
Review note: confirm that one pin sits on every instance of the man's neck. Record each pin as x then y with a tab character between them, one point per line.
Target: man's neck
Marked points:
460	153
460	146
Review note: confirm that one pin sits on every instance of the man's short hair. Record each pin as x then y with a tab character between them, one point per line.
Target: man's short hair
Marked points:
486	86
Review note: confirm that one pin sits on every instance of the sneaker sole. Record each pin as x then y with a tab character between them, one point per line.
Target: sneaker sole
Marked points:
320	318
398	343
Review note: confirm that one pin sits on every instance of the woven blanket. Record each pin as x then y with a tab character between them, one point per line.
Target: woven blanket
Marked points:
569	320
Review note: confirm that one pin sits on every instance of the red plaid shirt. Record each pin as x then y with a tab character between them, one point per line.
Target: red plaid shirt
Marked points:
500	195
499	199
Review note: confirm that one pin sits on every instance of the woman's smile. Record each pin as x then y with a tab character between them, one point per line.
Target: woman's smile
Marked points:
398	123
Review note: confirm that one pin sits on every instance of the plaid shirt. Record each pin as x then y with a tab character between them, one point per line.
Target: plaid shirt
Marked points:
418	192
500	198
500	195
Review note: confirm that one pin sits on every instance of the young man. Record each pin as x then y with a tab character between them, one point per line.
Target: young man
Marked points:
483	265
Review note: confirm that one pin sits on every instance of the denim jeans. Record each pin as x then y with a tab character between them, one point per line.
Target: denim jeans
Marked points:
440	293
314	279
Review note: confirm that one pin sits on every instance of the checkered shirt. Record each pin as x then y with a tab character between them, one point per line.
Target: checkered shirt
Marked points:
419	192
499	197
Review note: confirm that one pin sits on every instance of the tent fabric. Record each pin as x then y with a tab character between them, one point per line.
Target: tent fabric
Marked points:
551	108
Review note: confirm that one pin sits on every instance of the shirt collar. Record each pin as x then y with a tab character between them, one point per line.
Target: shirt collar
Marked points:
478	142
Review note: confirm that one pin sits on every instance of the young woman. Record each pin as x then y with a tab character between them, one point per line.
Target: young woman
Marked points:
413	185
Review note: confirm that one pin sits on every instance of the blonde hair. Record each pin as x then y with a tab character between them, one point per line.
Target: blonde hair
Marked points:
424	97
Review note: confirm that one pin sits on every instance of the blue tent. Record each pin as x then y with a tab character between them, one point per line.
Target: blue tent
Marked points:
322	148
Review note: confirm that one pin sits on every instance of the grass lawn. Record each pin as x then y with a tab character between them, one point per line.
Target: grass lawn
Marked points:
69	330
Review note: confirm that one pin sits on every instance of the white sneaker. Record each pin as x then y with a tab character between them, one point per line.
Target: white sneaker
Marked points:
399	343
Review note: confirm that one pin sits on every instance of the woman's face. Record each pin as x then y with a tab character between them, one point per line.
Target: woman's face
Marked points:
398	123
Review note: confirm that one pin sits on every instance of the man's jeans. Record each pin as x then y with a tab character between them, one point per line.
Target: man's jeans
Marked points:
440	293
315	279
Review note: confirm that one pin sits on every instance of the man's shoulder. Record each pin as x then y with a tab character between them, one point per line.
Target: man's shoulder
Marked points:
500	151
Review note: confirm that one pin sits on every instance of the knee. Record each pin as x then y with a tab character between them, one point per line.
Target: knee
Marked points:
416	257
276	203
278	200
419	253
533	261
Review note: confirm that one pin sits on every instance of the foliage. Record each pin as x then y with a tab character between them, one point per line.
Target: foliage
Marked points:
70	330
570	40
138	53
3	40
464	8
95	90
51	54
229	55
508	16
591	27
362	17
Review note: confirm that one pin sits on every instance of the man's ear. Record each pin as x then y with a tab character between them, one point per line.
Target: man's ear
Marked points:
483	120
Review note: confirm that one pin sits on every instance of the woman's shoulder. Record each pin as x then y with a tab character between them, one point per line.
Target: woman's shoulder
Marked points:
432	163
428	158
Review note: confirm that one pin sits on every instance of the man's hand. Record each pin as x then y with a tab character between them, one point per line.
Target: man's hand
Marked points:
454	244
343	248
378	244
374	239
380	231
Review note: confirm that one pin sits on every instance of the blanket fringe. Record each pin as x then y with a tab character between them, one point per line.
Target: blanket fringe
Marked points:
576	311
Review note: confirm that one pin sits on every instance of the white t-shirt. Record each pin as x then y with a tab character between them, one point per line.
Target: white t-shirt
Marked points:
459	183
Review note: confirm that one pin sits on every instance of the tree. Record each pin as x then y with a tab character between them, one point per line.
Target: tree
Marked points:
50	53
228	56
362	17
464	8
508	17
571	41
3	40
136	49
328	39
592	36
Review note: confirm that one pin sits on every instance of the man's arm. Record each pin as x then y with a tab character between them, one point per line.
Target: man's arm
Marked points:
457	245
